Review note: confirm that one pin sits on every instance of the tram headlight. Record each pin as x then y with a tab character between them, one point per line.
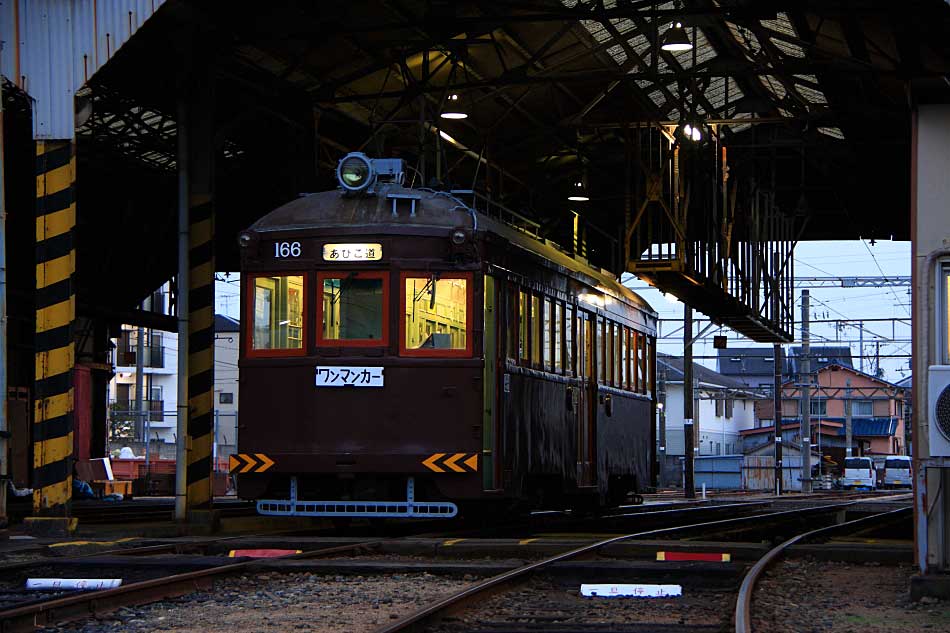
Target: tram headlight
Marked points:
458	237
355	172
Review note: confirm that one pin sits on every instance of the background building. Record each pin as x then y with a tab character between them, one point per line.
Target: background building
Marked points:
160	390
722	408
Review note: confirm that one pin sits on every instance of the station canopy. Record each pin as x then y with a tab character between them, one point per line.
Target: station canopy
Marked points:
812	98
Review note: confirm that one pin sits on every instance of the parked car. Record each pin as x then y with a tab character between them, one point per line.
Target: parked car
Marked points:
898	472
859	472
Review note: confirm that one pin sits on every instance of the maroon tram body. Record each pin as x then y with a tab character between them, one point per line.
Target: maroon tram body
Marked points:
404	336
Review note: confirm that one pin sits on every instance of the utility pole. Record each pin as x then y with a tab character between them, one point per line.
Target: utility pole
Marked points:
661	405
4	427
777	408
688	438
777	378
805	386
847	418
139	381
861	345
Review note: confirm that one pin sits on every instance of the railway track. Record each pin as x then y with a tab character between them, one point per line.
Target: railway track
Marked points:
148	566
443	616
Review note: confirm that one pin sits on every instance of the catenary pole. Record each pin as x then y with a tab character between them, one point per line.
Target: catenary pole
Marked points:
805	386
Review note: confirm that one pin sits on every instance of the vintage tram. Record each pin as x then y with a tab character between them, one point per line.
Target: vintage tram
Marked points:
405	355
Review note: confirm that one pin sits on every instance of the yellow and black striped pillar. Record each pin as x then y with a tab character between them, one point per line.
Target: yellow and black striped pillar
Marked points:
55	319
200	351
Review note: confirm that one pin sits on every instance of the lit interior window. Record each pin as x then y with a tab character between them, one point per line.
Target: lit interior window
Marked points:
946	314
278	313
353	308
436	313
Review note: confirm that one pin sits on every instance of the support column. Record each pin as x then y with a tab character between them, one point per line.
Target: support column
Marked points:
200	124
777	393
54	340
805	386
689	438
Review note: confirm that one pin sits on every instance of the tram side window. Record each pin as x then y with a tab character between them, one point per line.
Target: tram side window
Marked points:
511	310
600	326
622	357
277	311
634	365
547	343
436	313
557	338
642	353
569	340
536	337
522	327
609	377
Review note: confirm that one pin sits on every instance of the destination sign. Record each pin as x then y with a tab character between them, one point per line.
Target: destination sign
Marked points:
352	252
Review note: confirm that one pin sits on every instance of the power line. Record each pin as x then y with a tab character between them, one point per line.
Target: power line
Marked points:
881	270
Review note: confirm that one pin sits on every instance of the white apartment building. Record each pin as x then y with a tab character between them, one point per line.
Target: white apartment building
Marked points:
160	384
722	406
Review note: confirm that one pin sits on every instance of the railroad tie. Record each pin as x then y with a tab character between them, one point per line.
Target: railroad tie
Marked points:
200	351
55	324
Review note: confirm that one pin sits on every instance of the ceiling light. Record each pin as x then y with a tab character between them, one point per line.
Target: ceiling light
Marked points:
675	39
693	133
453	108
578	192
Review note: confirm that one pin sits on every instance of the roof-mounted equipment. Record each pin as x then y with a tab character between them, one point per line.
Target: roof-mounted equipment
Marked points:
358	173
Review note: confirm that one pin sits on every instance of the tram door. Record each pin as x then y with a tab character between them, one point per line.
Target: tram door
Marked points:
587	407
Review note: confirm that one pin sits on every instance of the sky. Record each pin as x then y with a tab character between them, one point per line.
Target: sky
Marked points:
846	306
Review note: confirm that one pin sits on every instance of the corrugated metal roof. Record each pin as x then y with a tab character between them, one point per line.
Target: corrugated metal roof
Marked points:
52	47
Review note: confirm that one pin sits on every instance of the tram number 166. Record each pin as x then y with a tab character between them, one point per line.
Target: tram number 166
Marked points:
286	249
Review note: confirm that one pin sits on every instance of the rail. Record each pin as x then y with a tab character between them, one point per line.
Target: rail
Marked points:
50	612
744	600
424	617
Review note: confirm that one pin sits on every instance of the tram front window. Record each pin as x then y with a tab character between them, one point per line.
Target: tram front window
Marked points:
352	308
436	313
277	313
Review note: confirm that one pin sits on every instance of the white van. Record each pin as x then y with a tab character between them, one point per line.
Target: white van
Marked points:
859	472
897	472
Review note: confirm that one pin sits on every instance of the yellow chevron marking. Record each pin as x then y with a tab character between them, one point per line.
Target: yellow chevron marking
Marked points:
53	407
472	462
250	464
55	223
201	232
453	541
56	315
56	180
266	462
430	463
450	462
50	451
55	270
234	462
54	362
